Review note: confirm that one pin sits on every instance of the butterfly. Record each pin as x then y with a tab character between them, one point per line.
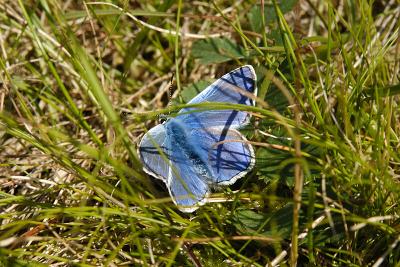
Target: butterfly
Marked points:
201	148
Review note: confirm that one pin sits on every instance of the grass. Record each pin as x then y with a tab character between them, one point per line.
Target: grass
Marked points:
82	82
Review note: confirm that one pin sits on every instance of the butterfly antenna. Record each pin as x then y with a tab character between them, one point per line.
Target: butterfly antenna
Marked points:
164	117
170	93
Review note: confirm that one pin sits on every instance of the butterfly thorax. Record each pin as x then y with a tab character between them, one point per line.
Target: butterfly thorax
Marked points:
180	137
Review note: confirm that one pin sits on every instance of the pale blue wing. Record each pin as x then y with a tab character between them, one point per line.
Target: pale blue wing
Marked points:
155	153
225	89
190	173
229	155
169	153
187	188
197	149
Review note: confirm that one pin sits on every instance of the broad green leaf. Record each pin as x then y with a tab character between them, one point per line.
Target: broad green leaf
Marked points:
217	50
192	90
276	223
255	17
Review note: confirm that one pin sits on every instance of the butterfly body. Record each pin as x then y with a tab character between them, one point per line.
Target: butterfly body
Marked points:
199	149
183	140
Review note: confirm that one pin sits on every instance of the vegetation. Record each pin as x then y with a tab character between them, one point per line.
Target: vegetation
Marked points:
81	82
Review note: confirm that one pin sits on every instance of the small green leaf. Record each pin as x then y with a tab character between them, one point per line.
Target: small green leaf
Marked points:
248	221
192	90
217	50
277	223
255	17
269	164
276	36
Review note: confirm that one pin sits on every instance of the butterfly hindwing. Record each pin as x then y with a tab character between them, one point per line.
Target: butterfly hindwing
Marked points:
229	154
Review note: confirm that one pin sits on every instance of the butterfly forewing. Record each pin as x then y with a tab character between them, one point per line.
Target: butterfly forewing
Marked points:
154	152
227	89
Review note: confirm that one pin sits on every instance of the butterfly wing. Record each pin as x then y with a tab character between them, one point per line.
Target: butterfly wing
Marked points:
155	153
229	154
187	188
226	89
190	173
198	148
170	154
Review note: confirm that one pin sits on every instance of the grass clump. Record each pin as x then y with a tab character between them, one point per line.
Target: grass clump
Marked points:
82	82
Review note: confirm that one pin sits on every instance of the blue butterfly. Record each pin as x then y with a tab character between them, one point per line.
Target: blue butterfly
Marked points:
199	149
